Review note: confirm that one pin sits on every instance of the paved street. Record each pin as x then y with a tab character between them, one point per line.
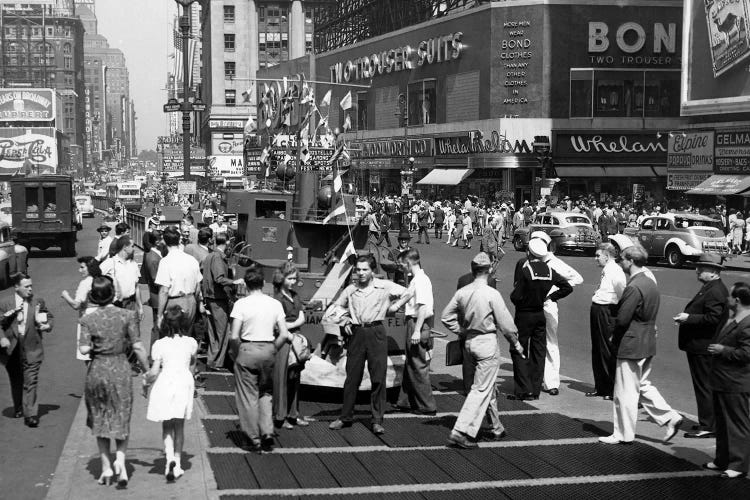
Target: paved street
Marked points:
407	461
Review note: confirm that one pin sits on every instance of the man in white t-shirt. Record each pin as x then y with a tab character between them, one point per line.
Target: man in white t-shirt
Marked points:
416	391
256	319
178	277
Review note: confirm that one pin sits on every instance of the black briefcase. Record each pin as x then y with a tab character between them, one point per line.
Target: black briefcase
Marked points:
454	353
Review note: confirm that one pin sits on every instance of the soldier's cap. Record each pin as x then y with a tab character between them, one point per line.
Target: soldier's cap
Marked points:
482	260
538	248
103	227
542	236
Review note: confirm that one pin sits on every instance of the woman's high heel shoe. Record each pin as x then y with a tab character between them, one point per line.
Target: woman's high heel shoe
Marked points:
122	474
170	470
106	478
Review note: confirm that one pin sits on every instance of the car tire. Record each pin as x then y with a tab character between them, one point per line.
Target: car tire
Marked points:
518	244
675	258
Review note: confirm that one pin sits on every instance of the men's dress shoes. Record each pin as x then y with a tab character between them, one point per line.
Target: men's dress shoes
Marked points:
673	426
711	466
700	434
31	421
267	442
607	398
732	474
460	441
498	436
339	424
522	397
612	440
593	394
378	429
18	414
554	392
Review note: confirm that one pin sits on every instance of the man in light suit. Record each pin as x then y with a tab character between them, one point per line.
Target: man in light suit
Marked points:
634	339
730	384
24	319
199	251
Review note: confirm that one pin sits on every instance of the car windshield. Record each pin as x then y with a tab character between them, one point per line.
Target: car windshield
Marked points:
576	219
83	199
688	222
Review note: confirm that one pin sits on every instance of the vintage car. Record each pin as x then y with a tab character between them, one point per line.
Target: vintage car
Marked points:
677	237
13	258
85	205
569	231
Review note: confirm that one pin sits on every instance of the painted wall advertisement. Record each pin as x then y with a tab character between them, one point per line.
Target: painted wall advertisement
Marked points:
35	145
690	159
732	152
226	144
27	105
715	73
219	166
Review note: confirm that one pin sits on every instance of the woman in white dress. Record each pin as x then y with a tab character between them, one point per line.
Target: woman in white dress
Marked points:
89	269
171	398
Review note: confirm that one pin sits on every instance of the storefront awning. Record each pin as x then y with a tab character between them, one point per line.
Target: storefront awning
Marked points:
610	171
446	176
569	171
722	185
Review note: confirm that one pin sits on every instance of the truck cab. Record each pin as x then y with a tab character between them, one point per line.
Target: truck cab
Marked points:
43	212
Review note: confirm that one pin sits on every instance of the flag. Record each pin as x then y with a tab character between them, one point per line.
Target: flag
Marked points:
349	250
326	99
337	183
340	210
346	102
250	125
347	122
336	153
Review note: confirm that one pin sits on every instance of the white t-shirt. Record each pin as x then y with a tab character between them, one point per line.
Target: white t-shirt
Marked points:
179	272
421	289
259	315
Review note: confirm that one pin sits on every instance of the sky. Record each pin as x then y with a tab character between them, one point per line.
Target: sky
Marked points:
142	30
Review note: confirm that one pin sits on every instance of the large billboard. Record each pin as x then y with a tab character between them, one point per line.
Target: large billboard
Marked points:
715	70
690	159
27	105
24	147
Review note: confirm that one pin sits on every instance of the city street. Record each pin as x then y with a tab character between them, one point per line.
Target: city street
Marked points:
30	468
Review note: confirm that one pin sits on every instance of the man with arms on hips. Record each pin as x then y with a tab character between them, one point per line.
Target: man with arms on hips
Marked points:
551	381
255	319
23	320
635	342
477	313
602	321
366	302
125	275
416	390
730	385
697	326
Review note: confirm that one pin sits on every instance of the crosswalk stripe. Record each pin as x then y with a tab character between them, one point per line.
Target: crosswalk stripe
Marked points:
507	483
403	415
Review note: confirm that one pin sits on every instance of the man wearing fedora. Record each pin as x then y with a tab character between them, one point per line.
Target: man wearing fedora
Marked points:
697	325
105	241
400	277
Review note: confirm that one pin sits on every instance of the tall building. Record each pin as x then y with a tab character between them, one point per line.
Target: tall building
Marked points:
41	45
109	127
239	37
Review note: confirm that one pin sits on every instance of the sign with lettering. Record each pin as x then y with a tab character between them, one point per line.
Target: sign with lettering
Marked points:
633	43
27	105
393	147
612	147
691	151
474	142
237	124
229	144
732	152
684	181
37	145
226	165
186	187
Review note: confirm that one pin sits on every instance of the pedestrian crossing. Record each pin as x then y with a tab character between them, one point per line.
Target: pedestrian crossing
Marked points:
545	455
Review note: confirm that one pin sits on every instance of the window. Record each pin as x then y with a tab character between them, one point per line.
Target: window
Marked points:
581	85
229	13
270	209
285	41
361	110
67	49
68	62
662	224
230	97
261	42
32	202
261	14
229	42
50	201
230	68
421	102
308	43
647	224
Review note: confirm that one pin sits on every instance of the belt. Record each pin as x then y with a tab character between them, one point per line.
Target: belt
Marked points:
256	341
181	296
368	325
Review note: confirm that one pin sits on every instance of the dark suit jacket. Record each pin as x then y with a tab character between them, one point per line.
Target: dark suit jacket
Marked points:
31	343
730	370
148	275
706	312
635	327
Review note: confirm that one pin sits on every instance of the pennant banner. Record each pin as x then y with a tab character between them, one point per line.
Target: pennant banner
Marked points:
340	210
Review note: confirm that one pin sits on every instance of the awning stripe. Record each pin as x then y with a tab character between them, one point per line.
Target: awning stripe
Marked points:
446	176
722	185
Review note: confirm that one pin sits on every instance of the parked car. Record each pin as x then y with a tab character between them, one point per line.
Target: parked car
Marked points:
85	205
569	231
677	237
13	258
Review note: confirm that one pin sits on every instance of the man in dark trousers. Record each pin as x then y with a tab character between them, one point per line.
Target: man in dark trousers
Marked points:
423	216
730	385
439	220
151	257
385	226
400	276
698	324
23	319
218	289
532	281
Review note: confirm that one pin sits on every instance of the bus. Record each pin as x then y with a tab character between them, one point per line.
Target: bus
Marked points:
127	194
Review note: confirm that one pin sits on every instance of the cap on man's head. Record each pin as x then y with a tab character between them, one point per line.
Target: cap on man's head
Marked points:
541	235
482	260
103	228
538	248
525	202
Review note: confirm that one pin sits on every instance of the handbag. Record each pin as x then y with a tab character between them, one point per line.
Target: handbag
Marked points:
299	351
454	353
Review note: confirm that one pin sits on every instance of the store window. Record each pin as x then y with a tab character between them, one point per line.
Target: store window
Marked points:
229	41
230	69
662	93
361	110
230	97
421	102
581	88
229	13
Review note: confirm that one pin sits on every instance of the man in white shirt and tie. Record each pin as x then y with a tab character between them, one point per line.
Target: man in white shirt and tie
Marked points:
602	317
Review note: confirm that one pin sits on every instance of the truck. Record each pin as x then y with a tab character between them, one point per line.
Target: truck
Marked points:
126	194
43	212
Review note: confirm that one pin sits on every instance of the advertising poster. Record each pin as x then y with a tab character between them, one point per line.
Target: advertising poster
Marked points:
715	76
732	152
27	105
690	159
35	145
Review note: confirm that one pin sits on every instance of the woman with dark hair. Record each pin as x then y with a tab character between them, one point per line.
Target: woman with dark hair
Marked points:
106	334
88	267
171	398
286	380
